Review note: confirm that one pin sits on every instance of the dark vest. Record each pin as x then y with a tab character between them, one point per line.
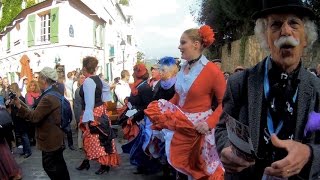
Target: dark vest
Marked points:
97	95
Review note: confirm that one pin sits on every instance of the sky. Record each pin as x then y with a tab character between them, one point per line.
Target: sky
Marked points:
159	25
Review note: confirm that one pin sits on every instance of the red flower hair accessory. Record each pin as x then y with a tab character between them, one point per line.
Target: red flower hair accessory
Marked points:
207	35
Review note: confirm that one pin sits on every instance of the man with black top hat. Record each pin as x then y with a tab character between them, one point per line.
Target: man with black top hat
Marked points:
278	99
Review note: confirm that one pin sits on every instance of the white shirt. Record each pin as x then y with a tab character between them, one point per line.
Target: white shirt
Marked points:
89	88
122	90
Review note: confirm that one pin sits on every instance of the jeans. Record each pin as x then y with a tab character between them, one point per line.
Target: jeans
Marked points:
54	165
25	143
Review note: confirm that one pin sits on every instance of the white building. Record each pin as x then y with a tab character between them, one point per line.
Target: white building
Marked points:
59	33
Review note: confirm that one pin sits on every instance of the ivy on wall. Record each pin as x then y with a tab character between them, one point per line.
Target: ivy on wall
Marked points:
11	8
242	49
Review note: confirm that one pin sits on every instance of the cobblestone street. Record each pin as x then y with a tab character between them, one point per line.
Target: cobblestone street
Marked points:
32	167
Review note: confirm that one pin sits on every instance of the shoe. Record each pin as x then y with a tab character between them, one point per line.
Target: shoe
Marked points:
140	170
32	142
84	165
72	148
103	169
27	155
17	177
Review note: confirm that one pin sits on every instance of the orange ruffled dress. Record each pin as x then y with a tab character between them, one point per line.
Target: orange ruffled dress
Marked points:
187	150
186	144
91	142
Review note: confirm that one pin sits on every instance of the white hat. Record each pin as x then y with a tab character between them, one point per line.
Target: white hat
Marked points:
50	73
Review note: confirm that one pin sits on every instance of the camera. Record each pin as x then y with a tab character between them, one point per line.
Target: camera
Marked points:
12	95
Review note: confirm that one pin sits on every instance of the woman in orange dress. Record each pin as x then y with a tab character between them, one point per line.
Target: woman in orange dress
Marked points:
98	136
187	120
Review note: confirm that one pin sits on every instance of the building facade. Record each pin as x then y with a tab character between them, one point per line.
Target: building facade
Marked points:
59	33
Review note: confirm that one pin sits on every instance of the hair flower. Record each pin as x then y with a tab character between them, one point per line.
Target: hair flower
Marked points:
313	123
207	34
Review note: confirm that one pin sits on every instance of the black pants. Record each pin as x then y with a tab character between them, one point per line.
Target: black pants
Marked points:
68	132
54	165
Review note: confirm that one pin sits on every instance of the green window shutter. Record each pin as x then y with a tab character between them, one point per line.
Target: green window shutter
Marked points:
111	51
107	71
101	36
31	28
8	40
95	25
54	25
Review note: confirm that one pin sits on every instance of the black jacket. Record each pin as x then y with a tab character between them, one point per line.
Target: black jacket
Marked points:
243	101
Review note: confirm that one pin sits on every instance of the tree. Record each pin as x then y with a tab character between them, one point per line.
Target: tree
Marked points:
11	8
315	6
231	19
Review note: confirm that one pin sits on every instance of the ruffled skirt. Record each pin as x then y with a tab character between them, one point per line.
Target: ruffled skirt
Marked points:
92	145
8	166
187	150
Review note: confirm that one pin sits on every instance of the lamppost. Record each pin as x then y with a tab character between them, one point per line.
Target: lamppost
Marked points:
123	47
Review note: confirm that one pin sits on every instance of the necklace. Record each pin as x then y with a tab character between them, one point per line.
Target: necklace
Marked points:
190	63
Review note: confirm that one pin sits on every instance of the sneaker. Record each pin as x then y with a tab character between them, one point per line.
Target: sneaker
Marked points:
20	147
27	155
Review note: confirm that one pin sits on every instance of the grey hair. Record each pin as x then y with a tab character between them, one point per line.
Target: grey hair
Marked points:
309	26
46	79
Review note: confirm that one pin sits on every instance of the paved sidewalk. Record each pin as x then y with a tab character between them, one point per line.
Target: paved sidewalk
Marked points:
32	167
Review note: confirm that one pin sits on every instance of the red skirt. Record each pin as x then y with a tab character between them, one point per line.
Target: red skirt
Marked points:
91	142
8	166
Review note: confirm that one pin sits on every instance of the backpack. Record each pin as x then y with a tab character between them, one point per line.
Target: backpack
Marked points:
66	112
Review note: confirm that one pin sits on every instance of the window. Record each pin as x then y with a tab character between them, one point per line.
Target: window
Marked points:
45	28
129	39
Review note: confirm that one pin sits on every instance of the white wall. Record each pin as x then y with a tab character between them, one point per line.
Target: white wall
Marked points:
71	50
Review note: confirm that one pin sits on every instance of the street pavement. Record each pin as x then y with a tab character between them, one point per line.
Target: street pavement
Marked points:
32	166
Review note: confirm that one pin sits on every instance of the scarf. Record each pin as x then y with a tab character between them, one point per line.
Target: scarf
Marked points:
167	84
31	96
133	87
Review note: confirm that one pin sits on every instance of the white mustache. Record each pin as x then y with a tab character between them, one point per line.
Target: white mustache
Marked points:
286	40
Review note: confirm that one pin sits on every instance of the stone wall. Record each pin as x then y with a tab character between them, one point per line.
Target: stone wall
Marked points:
231	58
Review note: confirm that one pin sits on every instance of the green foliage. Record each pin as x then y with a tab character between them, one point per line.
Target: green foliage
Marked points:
30	3
242	50
231	19
11	8
315	6
124	2
210	54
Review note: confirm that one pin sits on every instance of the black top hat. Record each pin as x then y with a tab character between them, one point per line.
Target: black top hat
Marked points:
283	6
216	60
